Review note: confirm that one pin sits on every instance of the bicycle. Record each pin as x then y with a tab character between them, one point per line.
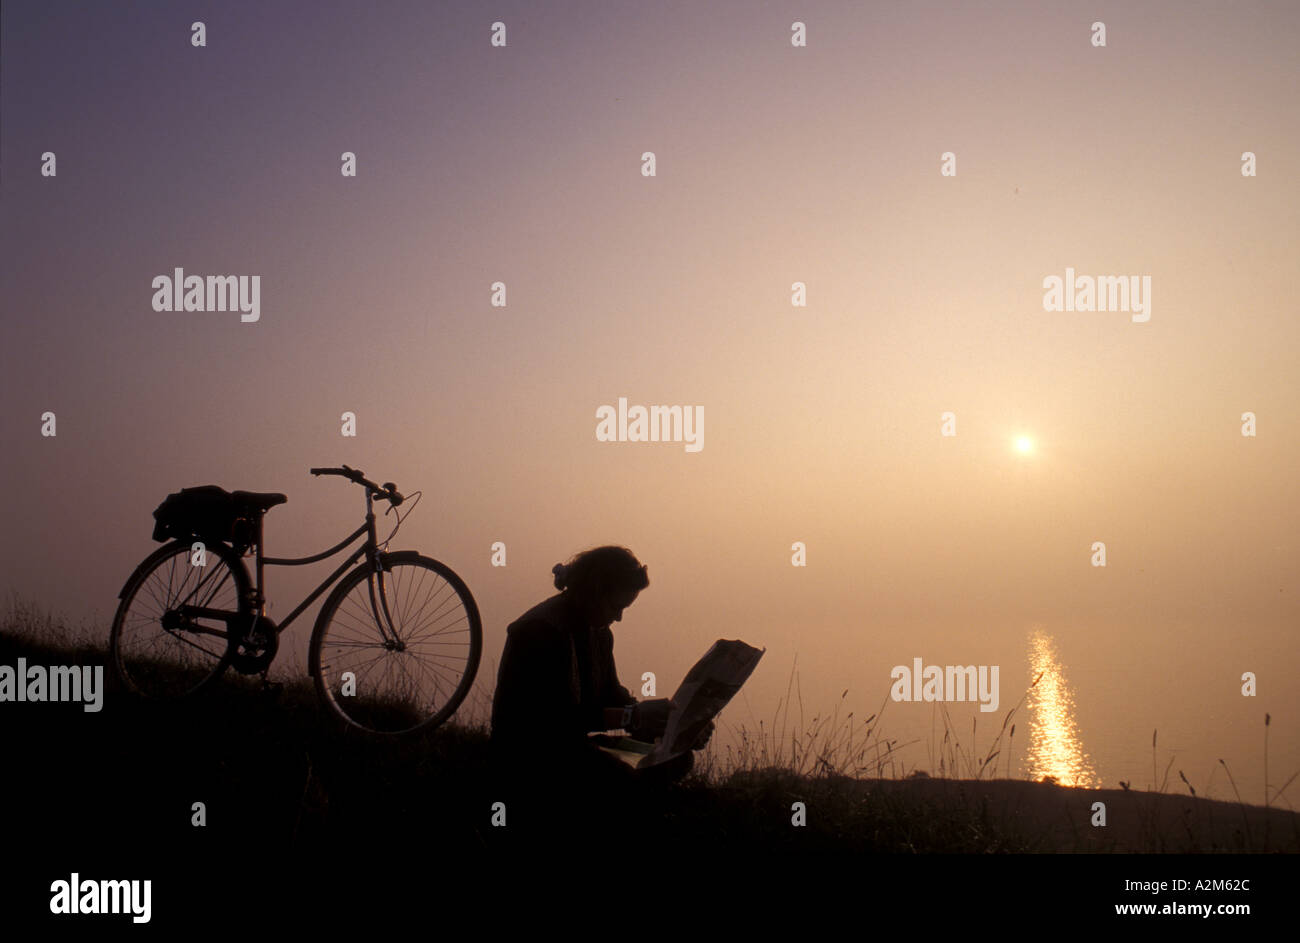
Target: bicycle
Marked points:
379	646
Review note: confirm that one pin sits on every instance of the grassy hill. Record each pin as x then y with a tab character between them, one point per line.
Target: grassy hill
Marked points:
274	771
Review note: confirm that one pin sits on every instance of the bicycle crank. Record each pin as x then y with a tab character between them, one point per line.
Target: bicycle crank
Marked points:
257	647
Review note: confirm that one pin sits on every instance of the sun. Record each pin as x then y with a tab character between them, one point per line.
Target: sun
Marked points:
1024	444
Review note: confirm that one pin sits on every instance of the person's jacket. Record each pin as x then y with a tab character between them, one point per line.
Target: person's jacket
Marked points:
556	677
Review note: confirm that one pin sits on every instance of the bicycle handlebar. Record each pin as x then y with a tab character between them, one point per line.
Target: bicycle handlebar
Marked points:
387	490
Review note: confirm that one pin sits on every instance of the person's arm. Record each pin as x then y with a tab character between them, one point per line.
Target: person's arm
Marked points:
644	720
615	698
617	716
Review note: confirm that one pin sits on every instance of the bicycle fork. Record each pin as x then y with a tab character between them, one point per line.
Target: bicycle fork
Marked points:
385	621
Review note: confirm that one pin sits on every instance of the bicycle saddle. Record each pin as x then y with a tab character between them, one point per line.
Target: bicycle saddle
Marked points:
258	500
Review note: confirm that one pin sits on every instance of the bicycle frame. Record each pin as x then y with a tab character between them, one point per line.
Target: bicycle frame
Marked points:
369	549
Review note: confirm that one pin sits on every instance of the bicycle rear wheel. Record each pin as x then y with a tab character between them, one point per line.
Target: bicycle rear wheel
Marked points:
157	652
415	672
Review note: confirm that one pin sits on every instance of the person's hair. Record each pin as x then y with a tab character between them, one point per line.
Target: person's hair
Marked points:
601	570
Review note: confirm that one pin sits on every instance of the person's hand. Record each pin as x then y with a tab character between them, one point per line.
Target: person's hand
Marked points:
650	718
703	739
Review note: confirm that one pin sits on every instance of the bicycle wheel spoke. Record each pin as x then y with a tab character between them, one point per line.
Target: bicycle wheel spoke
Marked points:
433	671
358	668
436	630
420	612
433	626
454	599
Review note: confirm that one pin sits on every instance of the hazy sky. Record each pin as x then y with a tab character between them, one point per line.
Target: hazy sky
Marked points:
774	165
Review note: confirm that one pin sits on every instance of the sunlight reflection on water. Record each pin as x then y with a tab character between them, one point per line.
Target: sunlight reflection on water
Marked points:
1055	748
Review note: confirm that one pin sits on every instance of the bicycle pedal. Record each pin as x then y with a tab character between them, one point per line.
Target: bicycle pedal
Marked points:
272	688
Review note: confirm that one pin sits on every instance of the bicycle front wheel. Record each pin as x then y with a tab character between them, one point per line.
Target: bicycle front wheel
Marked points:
396	652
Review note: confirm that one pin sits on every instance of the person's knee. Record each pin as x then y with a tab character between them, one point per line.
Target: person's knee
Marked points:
679	767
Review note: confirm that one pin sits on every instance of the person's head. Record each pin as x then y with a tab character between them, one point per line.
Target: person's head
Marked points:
603	582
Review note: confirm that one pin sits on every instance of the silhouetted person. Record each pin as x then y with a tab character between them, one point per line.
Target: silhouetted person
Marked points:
557	682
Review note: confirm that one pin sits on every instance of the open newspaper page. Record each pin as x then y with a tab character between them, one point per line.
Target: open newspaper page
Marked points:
703	693
623	748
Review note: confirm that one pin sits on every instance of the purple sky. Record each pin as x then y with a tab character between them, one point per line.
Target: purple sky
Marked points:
774	165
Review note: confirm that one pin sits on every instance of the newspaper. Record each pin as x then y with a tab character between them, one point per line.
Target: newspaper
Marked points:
703	693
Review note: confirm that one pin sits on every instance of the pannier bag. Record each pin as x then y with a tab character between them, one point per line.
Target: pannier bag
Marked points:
207	512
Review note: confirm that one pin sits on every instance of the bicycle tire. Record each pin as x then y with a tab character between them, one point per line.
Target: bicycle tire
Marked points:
346	628
191	661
